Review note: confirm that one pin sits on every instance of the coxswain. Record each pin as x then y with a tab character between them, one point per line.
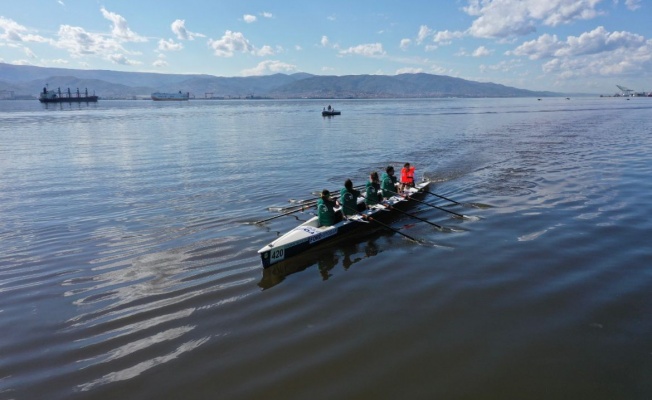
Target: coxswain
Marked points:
407	176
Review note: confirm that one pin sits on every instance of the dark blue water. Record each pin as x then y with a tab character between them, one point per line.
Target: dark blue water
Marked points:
128	264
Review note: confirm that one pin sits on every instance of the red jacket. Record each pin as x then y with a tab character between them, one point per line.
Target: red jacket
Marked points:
407	175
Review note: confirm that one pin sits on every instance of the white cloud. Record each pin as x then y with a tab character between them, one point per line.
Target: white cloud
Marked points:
324	41
11	31
619	62
265	51
21	62
505	18
446	37
544	46
269	66
405	43
424	32
29	53
160	61
503	66
235	42
231	43
436	69
123	60
633	4
169	45
598	40
120	29
79	43
595	53
481	52
179	29
408	70
366	50
248	18
265	14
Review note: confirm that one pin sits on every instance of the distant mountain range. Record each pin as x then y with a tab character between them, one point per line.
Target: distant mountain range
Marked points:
22	80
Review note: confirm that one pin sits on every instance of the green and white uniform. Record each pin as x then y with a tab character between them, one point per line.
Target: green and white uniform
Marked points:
372	196
388	185
326	212
349	201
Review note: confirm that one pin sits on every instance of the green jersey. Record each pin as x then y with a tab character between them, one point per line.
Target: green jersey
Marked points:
326	212
372	196
349	201
388	184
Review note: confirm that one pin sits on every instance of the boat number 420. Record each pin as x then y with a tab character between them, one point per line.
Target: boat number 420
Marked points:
277	254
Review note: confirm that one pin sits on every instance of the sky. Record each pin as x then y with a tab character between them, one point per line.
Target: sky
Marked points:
585	46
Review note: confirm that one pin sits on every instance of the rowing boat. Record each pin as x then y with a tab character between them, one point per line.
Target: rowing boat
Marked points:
330	113
309	234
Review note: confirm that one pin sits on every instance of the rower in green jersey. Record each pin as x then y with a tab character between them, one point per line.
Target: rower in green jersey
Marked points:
326	210
388	182
349	198
371	193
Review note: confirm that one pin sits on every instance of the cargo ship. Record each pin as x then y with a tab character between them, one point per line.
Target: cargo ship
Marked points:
158	96
51	96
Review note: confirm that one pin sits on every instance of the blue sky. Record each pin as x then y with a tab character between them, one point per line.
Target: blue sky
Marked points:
561	45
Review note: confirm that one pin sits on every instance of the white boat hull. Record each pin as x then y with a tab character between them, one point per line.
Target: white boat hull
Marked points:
310	234
170	96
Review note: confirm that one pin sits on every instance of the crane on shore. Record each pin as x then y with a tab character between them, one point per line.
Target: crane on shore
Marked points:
626	92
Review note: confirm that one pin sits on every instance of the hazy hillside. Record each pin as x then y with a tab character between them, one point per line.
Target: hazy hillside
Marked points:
29	80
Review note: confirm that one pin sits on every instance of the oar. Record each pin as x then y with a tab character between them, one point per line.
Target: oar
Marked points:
299	206
432	205
474	205
384	225
280	215
442	197
318	194
419	218
393	230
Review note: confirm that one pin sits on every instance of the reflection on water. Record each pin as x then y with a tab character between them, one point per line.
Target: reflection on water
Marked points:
326	258
127	271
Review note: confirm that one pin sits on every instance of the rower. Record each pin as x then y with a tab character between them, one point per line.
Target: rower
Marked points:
349	199
326	210
388	182
373	187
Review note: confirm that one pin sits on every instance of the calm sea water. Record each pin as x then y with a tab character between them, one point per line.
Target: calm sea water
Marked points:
128	264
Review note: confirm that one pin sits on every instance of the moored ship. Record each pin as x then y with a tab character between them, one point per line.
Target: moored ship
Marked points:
158	96
51	96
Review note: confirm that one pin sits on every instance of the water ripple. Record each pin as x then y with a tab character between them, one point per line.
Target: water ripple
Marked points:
128	270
